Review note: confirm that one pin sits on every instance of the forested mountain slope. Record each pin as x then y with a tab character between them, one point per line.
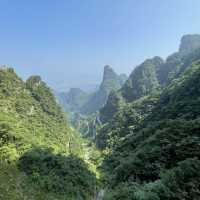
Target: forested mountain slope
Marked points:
159	158
40	155
148	131
126	120
153	75
174	63
143	80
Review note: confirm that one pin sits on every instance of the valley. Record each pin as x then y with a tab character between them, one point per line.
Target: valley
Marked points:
134	138
136	133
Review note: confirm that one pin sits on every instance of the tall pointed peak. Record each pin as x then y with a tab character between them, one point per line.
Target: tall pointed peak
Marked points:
189	43
108	68
109	73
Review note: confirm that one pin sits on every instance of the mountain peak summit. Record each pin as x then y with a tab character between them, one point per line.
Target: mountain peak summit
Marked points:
189	43
109	73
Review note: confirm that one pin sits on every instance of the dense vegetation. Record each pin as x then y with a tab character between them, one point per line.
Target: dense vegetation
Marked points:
83	108
37	146
154	74
147	131
125	121
59	175
143	80
153	143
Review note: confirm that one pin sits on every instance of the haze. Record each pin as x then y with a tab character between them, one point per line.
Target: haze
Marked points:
69	42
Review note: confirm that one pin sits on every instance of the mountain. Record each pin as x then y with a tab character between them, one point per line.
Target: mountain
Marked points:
73	100
85	117
76	100
40	154
111	82
154	74
189	44
148	134
113	104
143	80
159	157
152	140
122	120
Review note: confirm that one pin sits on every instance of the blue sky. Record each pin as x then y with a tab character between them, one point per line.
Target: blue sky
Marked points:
68	42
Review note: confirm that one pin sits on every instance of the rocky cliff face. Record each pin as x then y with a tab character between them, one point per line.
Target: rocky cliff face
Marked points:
153	139
189	43
143	80
154	74
79	101
111	82
174	63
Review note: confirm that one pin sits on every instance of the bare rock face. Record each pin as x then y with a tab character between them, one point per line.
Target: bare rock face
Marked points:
143	80
189	43
111	82
189	50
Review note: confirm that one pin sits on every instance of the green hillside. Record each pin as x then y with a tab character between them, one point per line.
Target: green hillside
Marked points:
189	45
153	75
40	155
159	157
143	80
144	134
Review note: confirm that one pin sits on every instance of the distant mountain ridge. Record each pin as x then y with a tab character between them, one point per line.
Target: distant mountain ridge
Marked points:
73	100
151	129
143	80
154	74
146	126
77	100
155	147
111	82
175	62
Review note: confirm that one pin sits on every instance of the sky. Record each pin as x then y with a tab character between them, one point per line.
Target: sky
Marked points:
68	42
